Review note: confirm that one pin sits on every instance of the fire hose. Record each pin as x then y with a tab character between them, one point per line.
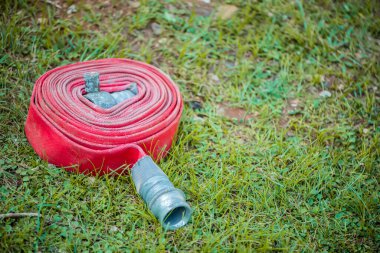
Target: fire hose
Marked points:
111	116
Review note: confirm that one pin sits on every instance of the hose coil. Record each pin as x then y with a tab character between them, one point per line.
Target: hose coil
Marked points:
67	130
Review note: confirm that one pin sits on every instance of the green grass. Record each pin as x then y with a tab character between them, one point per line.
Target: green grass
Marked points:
301	175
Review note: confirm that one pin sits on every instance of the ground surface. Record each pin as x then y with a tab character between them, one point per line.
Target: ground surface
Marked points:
296	170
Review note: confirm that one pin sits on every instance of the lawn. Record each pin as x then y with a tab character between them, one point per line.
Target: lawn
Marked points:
278	146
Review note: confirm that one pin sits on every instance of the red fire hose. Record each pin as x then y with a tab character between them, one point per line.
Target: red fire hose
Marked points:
67	130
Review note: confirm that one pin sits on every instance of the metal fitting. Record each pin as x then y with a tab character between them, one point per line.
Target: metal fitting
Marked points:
130	92
167	203
102	98
92	81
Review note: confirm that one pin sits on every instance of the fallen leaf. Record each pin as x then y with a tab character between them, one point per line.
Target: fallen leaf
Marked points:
234	112
294	103
163	40
134	4
293	107
259	170
214	78
41	21
226	11
330	80
54	3
199	119
325	94
113	229
290	133
72	9
201	7
201	11
229	64
156	28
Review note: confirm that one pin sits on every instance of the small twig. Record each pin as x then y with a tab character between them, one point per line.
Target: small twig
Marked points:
53	3
18	215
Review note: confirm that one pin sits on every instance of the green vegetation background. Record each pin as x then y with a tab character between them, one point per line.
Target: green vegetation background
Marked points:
299	173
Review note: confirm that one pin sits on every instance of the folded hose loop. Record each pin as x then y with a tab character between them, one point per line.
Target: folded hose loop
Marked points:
68	130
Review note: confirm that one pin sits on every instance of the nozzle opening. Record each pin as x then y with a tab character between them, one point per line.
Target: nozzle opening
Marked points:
177	217
165	201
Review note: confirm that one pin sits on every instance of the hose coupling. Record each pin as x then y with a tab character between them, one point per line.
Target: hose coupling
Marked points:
167	203
105	99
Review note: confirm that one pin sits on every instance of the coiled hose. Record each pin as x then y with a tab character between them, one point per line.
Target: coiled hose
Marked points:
68	130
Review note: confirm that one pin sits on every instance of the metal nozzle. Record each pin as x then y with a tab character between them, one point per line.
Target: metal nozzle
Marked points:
165	201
